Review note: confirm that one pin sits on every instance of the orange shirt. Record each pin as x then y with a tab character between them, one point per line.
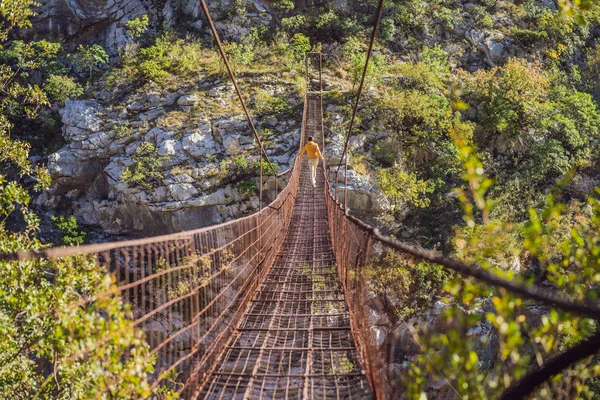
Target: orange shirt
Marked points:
312	149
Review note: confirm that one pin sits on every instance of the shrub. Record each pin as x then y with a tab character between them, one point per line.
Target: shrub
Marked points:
72	236
263	103
240	162
414	285
123	130
387	29
293	24
65	332
137	26
284	4
248	187
168	56
62	88
91	57
239	53
403	189
299	44
144	171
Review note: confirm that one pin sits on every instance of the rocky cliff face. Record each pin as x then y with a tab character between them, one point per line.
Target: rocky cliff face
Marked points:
103	21
206	165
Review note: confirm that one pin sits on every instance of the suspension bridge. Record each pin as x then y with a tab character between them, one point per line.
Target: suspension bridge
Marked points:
273	305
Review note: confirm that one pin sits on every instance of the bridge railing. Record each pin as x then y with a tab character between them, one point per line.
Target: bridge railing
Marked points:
188	290
360	250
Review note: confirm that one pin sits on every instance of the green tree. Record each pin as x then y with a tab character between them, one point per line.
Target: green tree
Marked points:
51	345
137	26
91	57
403	189
563	243
299	45
387	29
62	88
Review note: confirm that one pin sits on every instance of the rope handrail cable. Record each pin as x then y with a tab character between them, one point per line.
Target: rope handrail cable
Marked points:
354	111
234	81
524	387
529	291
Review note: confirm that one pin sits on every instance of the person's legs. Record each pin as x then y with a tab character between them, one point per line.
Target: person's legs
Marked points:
313	170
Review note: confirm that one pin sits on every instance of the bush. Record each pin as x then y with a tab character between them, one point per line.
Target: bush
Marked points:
387	29
90	58
265	104
166	57
62	88
284	4
144	172
414	285
299	45
403	189
137	26
68	226
293	24
239	53
247	187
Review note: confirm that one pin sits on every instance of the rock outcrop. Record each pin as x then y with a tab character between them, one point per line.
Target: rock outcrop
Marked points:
103	21
205	170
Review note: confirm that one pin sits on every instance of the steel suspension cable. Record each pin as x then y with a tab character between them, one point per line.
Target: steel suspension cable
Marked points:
354	111
239	94
532	292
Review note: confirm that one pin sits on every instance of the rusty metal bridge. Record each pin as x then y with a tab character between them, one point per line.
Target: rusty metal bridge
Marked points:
273	305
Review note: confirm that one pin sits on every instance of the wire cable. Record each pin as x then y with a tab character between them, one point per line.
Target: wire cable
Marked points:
354	111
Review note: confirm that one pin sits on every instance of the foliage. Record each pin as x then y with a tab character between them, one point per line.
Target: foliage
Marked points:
15	13
145	169
239	53
565	248
356	56
123	130
68	226
263	103
414	285
387	29
293	24
284	4
299	44
402	189
137	26
62	88
544	128
248	187
166	57
53	345
91	57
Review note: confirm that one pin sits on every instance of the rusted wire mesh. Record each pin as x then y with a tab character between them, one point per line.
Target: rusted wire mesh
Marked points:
295	340
188	290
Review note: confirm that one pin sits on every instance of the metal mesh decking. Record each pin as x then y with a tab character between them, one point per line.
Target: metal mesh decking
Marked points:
295	341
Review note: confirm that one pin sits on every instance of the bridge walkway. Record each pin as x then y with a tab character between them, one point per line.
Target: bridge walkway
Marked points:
294	341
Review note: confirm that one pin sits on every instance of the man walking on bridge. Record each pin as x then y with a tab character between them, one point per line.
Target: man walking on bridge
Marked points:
313	153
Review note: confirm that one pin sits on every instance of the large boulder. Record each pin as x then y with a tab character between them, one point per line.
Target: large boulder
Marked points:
364	198
80	118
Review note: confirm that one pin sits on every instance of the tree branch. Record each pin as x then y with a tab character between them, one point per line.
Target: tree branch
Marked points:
555	365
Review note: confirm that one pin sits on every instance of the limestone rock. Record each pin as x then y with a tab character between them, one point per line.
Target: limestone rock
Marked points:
80	117
188	100
198	144
182	191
